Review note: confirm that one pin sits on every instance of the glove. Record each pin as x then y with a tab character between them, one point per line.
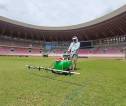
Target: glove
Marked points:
69	51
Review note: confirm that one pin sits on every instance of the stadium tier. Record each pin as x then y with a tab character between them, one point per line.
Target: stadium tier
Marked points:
111	50
4	50
105	35
7	41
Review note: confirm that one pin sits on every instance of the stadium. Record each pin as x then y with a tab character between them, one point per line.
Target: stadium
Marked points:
101	63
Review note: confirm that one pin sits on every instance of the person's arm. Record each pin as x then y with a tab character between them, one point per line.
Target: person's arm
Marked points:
69	49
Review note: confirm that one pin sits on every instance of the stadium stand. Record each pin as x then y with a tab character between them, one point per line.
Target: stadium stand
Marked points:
109	50
9	46
103	36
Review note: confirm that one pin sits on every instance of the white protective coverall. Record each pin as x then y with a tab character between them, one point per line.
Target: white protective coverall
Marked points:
73	48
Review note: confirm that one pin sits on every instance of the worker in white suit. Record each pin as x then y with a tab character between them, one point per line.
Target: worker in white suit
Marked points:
73	50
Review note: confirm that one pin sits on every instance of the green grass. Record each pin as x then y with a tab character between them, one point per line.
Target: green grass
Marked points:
102	82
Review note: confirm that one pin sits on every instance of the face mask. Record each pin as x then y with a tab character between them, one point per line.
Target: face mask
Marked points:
74	40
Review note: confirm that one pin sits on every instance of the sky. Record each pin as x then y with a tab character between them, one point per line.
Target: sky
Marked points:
57	12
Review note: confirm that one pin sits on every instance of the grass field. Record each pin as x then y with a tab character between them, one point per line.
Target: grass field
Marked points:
102	82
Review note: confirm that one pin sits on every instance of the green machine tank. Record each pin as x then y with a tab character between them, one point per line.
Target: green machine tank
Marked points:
63	65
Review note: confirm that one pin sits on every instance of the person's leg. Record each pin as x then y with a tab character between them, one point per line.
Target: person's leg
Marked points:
75	57
74	61
71	58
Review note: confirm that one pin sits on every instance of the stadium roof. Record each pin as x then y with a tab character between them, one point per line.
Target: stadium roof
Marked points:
113	24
